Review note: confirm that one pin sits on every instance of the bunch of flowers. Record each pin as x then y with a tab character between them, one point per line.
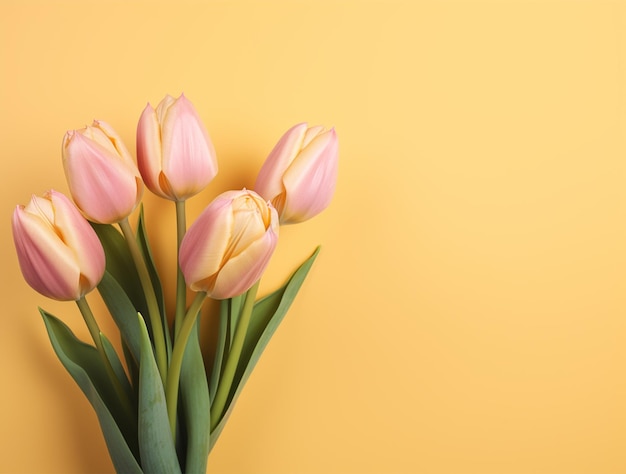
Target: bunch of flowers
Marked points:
160	409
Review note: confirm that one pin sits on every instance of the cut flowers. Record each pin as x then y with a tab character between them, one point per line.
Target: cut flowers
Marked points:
161	408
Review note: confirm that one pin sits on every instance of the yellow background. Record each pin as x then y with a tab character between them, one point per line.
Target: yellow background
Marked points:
468	311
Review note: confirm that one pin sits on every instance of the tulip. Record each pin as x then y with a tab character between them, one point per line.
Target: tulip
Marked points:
59	253
226	250
174	152
101	174
299	175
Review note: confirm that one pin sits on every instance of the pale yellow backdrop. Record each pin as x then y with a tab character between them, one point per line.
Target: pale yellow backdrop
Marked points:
468	311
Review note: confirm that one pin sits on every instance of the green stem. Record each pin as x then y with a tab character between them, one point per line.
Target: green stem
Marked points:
176	363
153	307
94	330
92	324
225	384
181	288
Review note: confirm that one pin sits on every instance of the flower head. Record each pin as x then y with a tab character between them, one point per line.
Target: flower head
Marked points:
174	152
59	253
226	250
103	179
300	173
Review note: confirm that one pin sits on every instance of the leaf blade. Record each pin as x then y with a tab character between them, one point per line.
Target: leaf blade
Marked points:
156	446
220	348
116	364
123	312
119	264
196	405
268	313
144	245
81	362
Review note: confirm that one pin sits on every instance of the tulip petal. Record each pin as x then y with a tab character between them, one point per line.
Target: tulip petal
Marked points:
104	186
42	207
206	241
188	154
149	152
310	134
310	180
163	107
112	139
79	236
225	251
241	272
46	263
269	181
174	152
248	224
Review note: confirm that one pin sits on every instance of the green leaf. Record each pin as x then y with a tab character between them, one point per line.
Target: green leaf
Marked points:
126	298
123	312
133	368
158	454
195	405
220	348
266	316
119	264
142	240
116	365
83	363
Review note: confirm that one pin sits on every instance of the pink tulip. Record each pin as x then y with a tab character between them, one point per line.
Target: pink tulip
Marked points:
58	251
299	175
226	250
101	174
174	152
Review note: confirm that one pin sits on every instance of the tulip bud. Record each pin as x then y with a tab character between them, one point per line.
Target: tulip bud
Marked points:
101	173
299	175
174	152
226	250
59	253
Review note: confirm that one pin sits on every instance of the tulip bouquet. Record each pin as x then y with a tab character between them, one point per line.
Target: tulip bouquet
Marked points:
161	408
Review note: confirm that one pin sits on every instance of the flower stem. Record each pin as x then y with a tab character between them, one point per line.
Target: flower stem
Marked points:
153	307
225	384
94	330
176	363
181	288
